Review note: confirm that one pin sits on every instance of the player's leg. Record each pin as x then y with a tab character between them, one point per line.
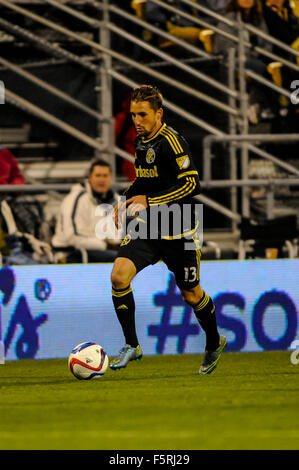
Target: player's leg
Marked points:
124	270
185	264
133	256
204	310
122	274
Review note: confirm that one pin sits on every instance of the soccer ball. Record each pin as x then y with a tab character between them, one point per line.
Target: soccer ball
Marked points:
88	361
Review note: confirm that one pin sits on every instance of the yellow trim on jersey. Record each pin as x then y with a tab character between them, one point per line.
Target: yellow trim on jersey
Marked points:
188	187
181	235
185	190
155	135
193	172
173	193
121	294
174	138
198	256
172	142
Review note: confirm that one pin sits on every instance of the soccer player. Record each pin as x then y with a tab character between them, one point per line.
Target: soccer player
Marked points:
165	175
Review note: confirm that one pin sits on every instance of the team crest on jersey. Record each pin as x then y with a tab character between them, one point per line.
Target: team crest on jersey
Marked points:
126	240
183	162
150	155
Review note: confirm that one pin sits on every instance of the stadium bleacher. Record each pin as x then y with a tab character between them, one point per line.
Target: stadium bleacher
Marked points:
48	154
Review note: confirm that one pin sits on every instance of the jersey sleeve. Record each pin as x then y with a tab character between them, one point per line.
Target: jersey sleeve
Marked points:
134	189
183	175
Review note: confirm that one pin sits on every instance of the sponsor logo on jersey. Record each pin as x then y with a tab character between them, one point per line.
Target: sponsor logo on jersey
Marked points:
150	155
146	172
183	162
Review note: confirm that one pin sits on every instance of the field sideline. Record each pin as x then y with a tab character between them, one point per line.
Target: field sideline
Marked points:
249	402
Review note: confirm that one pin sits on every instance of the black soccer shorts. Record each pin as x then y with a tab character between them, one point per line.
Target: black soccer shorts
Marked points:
184	263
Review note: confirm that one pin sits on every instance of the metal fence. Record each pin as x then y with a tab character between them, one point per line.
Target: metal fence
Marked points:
236	106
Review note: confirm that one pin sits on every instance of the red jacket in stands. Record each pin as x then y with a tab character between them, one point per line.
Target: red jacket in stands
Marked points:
125	135
9	168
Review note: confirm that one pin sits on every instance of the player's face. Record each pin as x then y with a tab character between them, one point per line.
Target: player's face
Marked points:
100	179
146	120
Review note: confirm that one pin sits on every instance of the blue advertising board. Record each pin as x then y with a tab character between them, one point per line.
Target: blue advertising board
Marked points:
47	310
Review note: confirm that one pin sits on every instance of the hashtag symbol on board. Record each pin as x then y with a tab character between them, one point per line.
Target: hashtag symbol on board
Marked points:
162	331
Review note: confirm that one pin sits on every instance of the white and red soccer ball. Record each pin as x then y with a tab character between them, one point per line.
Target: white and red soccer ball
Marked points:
88	361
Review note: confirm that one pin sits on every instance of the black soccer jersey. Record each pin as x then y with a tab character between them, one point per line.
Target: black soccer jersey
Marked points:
165	172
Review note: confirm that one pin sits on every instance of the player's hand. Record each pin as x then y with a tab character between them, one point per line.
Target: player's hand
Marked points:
135	205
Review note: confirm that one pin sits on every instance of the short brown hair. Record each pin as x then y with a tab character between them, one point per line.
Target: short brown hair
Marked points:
148	93
98	162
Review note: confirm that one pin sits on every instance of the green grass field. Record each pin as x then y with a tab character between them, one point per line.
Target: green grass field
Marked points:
251	401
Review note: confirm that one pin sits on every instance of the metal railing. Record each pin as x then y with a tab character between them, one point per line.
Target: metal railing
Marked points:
235	25
47	46
111	53
51	89
26	105
233	96
239	139
270	183
237	99
40	188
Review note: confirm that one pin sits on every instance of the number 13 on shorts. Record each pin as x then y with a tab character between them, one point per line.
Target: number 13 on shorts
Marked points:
190	273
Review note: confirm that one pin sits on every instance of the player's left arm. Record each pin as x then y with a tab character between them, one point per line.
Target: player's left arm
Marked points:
181	169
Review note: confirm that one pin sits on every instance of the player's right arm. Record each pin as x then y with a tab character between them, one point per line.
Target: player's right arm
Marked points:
134	189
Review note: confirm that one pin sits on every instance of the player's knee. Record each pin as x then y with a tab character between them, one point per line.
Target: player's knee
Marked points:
189	297
120	277
192	297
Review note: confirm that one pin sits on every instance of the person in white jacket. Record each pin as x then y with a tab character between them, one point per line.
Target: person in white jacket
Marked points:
85	218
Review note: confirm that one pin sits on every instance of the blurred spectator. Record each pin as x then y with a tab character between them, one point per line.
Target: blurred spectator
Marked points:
281	22
174	24
219	6
10	172
140	7
78	224
125	135
260	97
294	4
251	12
